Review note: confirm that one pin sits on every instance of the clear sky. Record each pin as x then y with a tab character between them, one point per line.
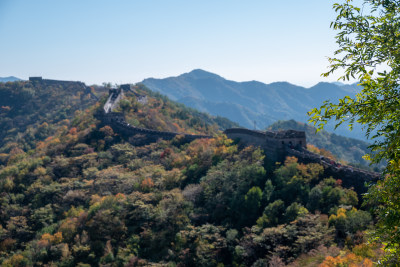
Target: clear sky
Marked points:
116	41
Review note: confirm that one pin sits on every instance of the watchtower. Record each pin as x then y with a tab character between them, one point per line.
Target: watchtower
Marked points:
287	138
274	143
35	79
125	87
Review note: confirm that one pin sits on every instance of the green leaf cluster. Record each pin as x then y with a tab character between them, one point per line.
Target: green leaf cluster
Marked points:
368	38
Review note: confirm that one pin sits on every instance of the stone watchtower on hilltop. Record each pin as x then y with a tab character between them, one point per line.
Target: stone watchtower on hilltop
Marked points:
287	138
35	79
274	143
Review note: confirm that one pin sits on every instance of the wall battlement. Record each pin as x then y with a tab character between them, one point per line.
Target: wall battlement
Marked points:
141	136
350	176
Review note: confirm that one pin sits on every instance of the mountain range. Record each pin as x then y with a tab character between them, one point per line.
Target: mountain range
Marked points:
252	104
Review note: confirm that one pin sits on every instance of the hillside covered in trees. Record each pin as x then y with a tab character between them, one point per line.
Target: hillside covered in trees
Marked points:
31	112
84	196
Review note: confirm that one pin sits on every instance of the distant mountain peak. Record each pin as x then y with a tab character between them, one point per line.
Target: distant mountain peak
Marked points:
9	79
327	83
201	74
281	83
195	71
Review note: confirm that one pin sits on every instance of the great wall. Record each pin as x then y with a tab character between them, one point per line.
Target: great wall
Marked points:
277	145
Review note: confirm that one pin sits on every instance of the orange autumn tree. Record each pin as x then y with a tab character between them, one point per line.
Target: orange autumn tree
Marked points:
147	184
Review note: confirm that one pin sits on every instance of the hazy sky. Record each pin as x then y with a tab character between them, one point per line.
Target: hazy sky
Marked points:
115	41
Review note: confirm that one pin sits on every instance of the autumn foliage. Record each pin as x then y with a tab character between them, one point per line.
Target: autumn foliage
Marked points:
84	195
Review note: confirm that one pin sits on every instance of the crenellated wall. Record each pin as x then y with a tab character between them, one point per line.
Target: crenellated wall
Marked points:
141	136
350	176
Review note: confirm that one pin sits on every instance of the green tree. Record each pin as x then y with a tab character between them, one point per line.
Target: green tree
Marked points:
268	191
293	211
274	212
252	203
368	40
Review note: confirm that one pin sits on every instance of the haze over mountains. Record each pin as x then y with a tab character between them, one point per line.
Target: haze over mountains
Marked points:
246	102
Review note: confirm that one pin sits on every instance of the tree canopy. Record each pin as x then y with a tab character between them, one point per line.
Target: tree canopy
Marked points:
368	39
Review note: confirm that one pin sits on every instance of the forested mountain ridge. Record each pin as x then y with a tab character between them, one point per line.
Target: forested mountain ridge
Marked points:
246	102
85	196
29	112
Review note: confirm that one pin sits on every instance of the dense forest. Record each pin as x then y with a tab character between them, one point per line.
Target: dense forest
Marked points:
82	195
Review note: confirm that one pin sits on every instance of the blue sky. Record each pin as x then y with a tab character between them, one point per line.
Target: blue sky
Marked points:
99	41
